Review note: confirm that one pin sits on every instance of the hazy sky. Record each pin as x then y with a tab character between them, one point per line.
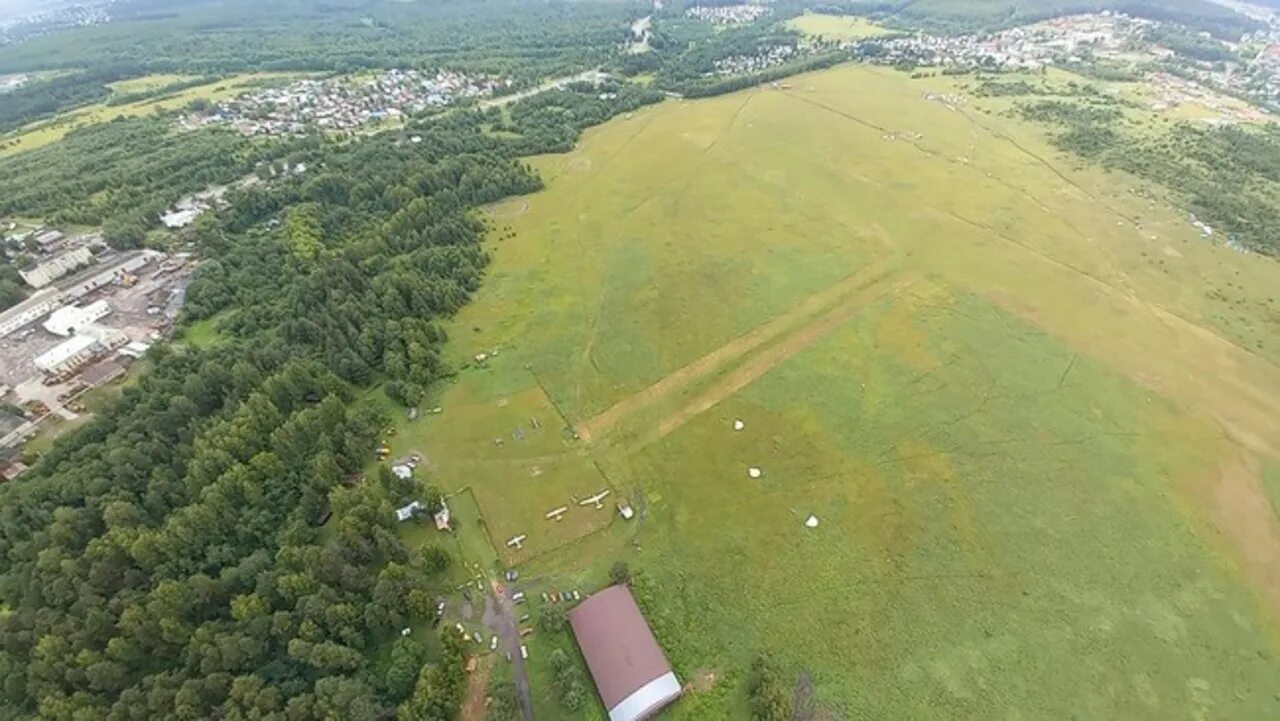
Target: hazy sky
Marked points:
13	7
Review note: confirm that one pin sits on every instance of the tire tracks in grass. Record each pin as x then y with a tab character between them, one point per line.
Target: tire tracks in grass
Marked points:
604	422
774	355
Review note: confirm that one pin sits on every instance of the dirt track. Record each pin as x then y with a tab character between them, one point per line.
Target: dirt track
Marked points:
830	300
500	618
767	360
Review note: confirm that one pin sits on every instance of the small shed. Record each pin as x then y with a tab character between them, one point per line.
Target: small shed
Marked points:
404	513
442	517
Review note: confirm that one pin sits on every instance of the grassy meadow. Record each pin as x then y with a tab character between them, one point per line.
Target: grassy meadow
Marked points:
1043	465
836	27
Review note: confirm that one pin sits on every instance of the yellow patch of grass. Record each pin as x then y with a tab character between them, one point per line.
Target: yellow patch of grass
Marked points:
836	27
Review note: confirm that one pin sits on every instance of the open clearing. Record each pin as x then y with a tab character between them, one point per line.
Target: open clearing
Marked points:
836	27
1046	474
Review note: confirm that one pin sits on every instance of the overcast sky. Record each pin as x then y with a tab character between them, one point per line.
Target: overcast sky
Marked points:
13	7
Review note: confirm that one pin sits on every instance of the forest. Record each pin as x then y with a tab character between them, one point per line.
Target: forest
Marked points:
163	560
499	36
44	98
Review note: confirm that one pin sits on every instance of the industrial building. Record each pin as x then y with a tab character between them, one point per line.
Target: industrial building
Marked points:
67	320
88	343
29	311
48	239
67	355
54	268
116	272
630	670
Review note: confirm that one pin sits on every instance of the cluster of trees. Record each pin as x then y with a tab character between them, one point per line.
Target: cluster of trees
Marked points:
39	99
770	697
123	174
162	562
550	121
12	287
568	680
1190	44
503	703
1061	112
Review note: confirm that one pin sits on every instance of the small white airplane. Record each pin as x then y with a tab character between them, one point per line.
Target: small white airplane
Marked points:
517	542
595	499
556	514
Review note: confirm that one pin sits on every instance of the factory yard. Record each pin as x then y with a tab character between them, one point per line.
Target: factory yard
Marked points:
88	338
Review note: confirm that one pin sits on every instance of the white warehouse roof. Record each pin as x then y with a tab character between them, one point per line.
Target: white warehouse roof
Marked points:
53	359
67	320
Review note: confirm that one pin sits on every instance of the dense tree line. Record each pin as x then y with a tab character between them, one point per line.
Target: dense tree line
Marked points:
12	288
508	36
40	99
1190	44
162	562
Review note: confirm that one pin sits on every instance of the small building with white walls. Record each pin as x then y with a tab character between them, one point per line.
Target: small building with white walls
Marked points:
404	513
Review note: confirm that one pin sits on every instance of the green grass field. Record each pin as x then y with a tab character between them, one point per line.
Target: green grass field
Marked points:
1042	469
836	27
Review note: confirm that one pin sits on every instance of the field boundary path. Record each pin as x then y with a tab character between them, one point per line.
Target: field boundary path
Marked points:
770	358
824	300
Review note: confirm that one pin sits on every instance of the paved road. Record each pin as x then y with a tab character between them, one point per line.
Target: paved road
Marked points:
500	617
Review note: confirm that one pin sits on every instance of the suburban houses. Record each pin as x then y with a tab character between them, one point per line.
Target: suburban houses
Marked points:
345	103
